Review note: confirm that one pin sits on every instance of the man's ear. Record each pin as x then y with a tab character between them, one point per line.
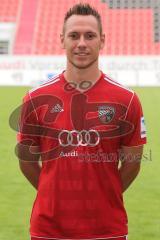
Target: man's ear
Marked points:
62	40
102	41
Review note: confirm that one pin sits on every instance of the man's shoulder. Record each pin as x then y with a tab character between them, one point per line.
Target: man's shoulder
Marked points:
117	87
121	93
47	87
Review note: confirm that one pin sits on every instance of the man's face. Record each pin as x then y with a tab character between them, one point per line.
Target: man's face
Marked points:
82	40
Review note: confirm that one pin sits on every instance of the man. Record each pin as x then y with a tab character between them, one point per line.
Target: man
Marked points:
81	125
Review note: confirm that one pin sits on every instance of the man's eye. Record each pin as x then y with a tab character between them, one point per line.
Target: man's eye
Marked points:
73	36
90	36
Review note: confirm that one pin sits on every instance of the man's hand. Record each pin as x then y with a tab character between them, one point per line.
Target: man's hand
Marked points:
130	164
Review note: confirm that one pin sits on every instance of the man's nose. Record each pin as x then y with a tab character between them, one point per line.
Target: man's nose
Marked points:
81	42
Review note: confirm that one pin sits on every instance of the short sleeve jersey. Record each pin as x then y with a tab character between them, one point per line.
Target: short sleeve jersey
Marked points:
79	135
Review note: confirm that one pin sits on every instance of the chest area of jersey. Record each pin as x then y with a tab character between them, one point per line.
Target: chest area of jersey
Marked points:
82	113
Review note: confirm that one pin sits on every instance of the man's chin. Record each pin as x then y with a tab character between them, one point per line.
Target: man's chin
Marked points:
83	65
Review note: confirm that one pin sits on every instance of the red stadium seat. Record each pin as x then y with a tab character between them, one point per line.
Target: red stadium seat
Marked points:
9	10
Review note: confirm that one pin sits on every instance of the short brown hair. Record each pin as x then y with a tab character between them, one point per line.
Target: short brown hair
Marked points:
83	9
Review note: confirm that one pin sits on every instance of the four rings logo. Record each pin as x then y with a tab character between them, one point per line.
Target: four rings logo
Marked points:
79	138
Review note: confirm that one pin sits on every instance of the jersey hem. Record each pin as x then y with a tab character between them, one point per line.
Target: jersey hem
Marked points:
52	238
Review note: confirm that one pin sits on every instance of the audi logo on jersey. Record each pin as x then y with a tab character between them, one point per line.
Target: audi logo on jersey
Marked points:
79	138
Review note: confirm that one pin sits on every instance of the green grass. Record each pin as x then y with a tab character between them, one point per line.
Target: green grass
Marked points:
142	198
17	195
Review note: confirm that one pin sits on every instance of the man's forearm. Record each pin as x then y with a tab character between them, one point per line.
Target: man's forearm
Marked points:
31	171
130	164
128	173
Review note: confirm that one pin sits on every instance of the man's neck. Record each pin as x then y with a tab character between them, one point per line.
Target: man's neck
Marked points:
79	75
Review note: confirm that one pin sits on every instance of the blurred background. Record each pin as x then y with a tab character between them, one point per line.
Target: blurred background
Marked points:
30	54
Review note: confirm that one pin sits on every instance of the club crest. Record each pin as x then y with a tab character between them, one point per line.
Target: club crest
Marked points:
106	113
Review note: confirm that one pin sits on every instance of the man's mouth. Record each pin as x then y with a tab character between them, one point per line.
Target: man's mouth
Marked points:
82	54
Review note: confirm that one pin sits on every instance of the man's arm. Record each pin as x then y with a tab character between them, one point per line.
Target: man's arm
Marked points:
31	169
130	164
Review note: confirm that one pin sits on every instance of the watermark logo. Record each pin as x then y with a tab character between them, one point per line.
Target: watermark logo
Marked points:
83	131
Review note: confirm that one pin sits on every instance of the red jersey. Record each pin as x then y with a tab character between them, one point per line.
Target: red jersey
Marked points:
80	136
